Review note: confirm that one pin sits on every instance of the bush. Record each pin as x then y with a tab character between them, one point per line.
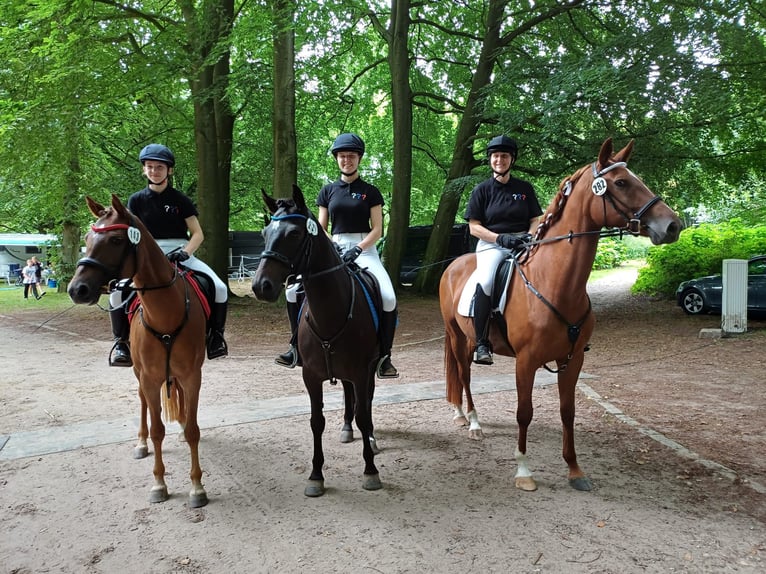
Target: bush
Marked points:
699	251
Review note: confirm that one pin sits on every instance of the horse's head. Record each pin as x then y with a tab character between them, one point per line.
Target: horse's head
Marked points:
626	202
108	245
287	244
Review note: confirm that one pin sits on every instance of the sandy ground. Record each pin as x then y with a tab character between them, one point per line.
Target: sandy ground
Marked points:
669	428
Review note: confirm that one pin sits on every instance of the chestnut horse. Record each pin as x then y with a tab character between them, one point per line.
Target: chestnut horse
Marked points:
337	338
167	337
548	315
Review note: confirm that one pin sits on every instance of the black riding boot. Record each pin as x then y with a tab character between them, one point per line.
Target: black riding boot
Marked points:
290	358
482	307
216	345
387	328
119	356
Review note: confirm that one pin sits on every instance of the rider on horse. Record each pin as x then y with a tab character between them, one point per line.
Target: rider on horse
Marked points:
355	209
172	220
502	213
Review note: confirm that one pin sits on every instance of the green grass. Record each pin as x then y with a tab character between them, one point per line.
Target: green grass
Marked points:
12	300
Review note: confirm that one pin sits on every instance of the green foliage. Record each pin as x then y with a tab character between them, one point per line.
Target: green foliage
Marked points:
84	85
611	253
699	251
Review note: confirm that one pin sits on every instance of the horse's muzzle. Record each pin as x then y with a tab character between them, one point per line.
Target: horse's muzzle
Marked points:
83	293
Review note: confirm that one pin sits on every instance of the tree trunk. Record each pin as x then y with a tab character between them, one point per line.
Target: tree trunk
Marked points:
213	128
401	98
283	105
427	280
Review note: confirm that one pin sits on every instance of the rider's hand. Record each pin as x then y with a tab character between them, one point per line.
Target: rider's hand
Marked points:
178	256
508	241
351	255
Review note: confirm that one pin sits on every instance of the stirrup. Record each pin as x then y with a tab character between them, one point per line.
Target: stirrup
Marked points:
385	369
288	359
119	355
482	355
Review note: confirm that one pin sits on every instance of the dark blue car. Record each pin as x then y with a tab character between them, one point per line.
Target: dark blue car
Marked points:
704	294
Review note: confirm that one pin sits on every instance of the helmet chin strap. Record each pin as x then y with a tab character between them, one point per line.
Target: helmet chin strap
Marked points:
164	180
503	173
350	173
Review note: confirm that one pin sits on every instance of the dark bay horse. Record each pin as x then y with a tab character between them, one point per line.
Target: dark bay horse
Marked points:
167	335
548	315
337	338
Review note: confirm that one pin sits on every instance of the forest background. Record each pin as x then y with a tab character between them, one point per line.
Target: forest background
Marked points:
250	94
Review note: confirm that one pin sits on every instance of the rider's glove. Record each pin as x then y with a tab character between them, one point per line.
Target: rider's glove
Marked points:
351	255
508	241
178	256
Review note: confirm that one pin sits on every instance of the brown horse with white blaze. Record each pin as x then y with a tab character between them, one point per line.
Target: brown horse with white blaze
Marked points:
548	316
167	336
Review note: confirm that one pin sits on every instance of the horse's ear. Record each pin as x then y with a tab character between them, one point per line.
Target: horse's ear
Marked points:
300	201
270	202
95	208
117	205
605	154
624	153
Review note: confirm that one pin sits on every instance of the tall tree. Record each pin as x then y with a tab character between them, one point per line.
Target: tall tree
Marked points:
283	103
396	36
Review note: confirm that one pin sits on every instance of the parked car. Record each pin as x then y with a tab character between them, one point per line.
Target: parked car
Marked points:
704	294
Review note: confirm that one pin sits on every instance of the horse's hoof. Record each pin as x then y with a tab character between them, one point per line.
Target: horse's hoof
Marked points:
582	483
374	445
460	421
526	483
476	434
197	499
346	436
314	488
158	494
140	452
372	482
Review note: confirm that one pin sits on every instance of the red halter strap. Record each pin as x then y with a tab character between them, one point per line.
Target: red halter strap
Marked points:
106	228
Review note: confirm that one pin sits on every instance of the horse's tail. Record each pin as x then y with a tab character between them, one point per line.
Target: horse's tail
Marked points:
171	404
451	372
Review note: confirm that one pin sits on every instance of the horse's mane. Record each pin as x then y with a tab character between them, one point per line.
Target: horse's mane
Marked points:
556	207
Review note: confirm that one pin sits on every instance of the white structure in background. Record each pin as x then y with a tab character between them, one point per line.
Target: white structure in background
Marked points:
734	299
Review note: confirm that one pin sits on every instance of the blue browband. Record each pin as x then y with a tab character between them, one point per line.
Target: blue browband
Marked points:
288	216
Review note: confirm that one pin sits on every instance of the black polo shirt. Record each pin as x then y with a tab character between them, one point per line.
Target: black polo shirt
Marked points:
164	214
503	207
349	205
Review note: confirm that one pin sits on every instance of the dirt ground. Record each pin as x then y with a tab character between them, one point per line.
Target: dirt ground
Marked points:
670	428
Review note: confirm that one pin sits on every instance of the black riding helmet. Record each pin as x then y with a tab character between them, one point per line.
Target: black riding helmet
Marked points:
157	152
503	143
347	142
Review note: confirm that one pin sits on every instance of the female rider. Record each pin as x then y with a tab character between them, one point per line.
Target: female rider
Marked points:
502	213
172	220
353	210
